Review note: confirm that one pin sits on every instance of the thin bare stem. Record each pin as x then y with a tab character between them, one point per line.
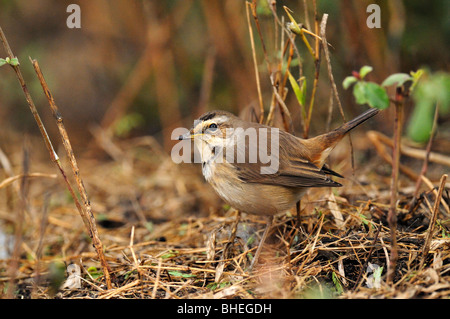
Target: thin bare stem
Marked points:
87	216
33	109
426	247
331	77
258	28
86	213
255	63
392	214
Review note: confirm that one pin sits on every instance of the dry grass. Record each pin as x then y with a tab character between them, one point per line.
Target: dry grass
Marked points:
164	234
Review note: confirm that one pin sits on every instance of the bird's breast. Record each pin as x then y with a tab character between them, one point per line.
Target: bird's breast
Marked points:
253	198
208	169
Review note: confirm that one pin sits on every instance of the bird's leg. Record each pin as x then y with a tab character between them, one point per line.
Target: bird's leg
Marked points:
300	230
261	243
298	206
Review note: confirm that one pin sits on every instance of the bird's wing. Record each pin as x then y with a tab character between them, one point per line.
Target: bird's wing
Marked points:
297	174
294	170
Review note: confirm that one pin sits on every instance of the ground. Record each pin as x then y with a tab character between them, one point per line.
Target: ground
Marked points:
164	233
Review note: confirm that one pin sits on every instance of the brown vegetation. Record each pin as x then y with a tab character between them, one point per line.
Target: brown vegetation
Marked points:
150	228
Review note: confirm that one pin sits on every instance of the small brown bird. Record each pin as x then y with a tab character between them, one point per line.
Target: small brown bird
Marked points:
262	170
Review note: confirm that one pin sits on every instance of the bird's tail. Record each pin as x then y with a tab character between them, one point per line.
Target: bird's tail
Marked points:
357	120
322	145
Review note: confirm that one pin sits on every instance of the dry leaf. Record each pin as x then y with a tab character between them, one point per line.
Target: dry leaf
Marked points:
74	279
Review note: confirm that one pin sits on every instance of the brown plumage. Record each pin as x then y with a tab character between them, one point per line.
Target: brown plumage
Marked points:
299	163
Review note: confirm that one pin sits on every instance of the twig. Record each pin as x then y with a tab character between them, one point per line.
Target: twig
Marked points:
136	263
10	180
255	63
430	185
312	247
258	28
286	115
411	152
33	109
368	257
426	247
317	57
374	137
392	214
158	275
327	58
86	213
326	52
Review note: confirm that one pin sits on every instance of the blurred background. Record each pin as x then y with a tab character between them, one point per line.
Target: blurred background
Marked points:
146	67
138	69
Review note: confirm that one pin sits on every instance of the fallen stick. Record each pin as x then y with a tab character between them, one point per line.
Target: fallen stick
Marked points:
426	247
410	151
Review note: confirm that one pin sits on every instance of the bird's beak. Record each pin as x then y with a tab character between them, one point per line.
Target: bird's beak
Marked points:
186	136
189	136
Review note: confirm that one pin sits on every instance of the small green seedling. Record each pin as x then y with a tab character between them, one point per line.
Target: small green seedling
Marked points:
366	92
8	60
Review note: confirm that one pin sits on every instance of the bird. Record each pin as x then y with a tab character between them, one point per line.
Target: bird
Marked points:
262	170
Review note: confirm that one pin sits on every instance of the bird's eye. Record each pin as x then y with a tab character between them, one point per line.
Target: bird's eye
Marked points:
212	127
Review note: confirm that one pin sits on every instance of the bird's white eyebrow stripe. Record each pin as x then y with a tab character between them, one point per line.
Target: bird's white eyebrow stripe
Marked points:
200	125
220	119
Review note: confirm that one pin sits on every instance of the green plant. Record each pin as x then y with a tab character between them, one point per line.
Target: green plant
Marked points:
433	90
429	91
366	92
337	283
376	96
10	61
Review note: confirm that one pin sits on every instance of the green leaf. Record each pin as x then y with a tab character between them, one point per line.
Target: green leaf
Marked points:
263	9
432	90
94	272
251	239
376	96
372	94
337	283
297	90
170	254
129	273
366	69
128	123
416	77
14	62
359	93
180	274
364	219
348	81
397	78
421	122
2	62
293	25
212	285
149	226
377	272
441	84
